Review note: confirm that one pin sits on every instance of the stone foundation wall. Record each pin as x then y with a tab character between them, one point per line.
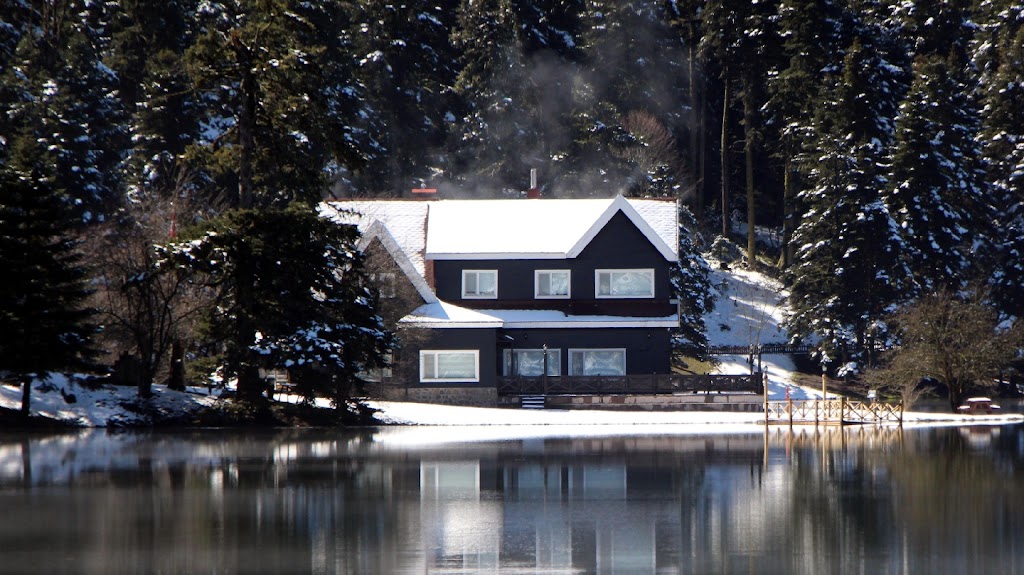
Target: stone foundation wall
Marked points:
701	402
472	396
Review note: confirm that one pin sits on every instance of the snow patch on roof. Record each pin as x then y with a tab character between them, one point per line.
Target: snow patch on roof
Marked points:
447	315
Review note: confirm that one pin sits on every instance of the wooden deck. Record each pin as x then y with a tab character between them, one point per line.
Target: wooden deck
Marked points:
832	412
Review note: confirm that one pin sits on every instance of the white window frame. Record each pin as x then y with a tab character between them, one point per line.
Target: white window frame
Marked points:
466	295
573	351
434	353
597	283
536	284
554	364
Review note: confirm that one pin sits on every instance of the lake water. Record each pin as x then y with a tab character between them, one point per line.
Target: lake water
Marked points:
487	500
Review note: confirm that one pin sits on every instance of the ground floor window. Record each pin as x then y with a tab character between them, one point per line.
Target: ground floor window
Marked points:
597	362
530	362
378	374
450	365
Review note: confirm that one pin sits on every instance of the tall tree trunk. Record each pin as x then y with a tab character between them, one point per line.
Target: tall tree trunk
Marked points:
177	369
246	135
725	155
748	150
250	387
789	213
703	145
695	115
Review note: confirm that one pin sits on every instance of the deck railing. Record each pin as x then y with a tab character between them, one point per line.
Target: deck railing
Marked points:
631	384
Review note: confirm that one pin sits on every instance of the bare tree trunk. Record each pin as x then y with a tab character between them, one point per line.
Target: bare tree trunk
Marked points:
26	395
725	156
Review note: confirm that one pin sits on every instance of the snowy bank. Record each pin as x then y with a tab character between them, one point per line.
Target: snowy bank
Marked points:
112	406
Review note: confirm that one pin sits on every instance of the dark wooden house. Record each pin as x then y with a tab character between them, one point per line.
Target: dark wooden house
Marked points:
493	295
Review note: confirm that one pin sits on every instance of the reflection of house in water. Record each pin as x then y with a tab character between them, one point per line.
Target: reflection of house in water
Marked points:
535	507
462	527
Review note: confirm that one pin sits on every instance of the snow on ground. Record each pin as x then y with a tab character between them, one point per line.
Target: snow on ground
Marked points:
104	406
750	309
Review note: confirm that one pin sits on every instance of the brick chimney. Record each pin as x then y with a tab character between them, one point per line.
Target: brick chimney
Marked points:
534	192
424	193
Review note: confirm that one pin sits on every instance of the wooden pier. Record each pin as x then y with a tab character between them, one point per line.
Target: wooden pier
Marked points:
840	411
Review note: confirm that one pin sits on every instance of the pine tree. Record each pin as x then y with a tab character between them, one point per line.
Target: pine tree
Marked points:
408	67
281	108
935	192
848	272
626	103
691	281
290	293
1001	60
935	27
811	34
495	138
57	63
148	38
45	322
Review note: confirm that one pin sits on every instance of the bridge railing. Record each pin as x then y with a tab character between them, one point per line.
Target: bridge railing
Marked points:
832	411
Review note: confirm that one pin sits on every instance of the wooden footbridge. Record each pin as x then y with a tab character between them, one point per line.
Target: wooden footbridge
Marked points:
841	411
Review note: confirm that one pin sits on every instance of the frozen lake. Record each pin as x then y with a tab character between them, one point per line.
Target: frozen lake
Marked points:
574	500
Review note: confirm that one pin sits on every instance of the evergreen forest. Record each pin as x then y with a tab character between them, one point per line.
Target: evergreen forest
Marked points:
871	151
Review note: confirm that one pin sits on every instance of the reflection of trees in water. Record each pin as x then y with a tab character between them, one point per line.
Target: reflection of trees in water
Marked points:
963	505
214	503
938	501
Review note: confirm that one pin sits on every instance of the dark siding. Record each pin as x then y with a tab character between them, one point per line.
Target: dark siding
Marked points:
479	339
648	350
619	245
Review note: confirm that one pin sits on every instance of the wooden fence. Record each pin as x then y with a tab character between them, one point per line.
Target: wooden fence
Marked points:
631	384
832	412
766	348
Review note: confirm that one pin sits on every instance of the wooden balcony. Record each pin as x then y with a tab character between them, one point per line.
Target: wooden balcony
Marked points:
631	384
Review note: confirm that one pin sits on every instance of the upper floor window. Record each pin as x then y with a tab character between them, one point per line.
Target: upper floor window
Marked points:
386	284
450	365
551	284
624	283
480	284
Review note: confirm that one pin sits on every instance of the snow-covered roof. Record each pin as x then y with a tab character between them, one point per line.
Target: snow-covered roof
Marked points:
447	315
415	231
505	229
540	228
399	225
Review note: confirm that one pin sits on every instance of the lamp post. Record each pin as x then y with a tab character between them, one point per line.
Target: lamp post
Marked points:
544	373
824	380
